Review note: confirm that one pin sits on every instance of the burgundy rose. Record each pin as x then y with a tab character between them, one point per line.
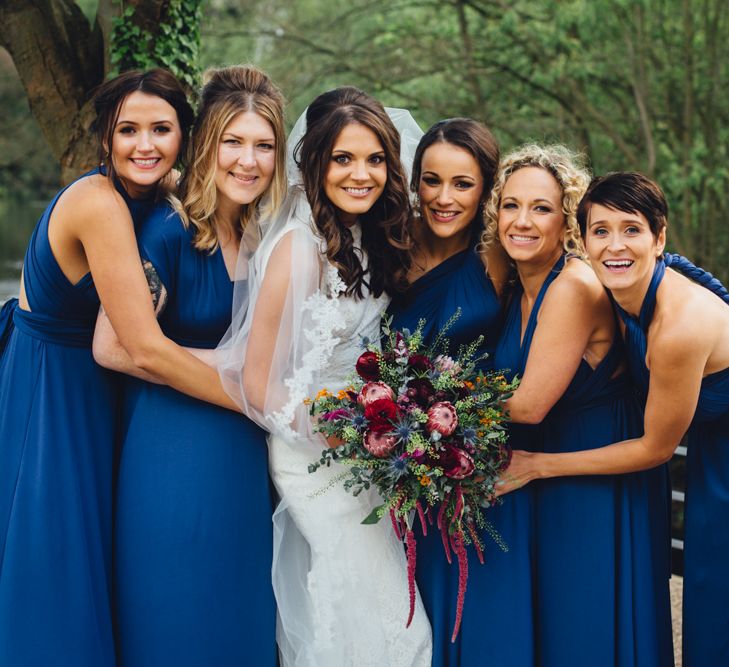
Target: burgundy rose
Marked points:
456	463
420	390
442	417
368	366
380	415
419	362
379	444
374	391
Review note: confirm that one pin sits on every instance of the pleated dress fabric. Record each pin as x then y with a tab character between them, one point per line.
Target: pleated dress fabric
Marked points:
602	547
497	622
58	413
706	515
193	545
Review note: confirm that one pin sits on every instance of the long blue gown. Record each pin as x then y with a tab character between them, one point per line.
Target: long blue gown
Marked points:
602	542
706	535
497	623
193	544
57	420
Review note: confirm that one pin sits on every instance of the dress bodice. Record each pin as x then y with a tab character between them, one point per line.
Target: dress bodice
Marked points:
460	281
714	393
199	289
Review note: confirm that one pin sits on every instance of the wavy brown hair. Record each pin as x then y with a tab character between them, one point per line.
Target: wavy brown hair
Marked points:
385	227
110	95
227	92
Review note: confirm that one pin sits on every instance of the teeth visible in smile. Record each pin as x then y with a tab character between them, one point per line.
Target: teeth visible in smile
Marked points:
618	262
145	162
358	191
445	214
517	237
243	179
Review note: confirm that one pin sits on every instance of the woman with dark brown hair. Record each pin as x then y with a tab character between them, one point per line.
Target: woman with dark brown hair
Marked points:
57	407
316	287
453	173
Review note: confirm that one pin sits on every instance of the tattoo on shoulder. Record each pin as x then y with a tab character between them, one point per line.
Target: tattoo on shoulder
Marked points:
156	288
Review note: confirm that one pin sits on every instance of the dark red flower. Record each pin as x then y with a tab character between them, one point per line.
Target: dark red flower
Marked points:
368	366
421	391
456	463
381	414
419	362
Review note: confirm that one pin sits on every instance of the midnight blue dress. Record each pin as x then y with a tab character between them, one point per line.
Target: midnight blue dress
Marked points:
497	626
193	544
57	422
602	542
706	518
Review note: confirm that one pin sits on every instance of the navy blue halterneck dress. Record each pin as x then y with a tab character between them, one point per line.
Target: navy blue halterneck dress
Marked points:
57	421
193	545
602	542
496	627
706	518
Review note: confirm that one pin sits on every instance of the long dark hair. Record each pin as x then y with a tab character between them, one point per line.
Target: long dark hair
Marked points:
471	136
110	95
385	227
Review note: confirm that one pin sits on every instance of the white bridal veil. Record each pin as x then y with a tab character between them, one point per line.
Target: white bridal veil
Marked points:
292	334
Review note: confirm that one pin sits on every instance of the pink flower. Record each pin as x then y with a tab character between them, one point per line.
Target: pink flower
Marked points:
444	363
374	391
442	417
456	463
379	444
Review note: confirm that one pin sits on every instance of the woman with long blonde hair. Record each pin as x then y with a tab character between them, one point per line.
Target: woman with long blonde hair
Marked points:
193	518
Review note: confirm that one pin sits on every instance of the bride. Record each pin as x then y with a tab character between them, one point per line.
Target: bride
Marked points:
307	298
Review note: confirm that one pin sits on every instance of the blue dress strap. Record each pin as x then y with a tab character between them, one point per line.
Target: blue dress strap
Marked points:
531	326
6	322
697	274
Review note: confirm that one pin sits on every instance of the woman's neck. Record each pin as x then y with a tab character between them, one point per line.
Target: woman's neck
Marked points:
631	298
435	250
533	274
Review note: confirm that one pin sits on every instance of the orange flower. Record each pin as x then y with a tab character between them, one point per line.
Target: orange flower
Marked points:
469	385
424	480
323	393
342	394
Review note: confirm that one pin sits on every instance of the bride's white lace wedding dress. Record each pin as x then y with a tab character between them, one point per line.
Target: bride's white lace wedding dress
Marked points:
341	587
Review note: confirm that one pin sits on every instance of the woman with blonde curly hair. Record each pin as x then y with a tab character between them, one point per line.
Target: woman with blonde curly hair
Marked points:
193	544
599	544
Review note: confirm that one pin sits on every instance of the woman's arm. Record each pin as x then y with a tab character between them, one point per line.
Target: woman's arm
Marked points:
102	224
676	371
568	319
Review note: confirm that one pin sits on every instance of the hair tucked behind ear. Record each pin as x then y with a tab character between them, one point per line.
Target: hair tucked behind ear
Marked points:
385	227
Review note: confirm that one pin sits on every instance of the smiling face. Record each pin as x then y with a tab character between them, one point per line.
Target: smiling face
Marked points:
450	190
531	223
621	247
246	161
145	143
357	172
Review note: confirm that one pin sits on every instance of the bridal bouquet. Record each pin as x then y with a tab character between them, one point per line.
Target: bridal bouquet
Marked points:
427	431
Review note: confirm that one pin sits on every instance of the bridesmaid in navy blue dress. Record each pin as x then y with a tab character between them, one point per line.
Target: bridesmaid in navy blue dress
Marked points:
57	407
453	172
193	545
676	327
601	544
